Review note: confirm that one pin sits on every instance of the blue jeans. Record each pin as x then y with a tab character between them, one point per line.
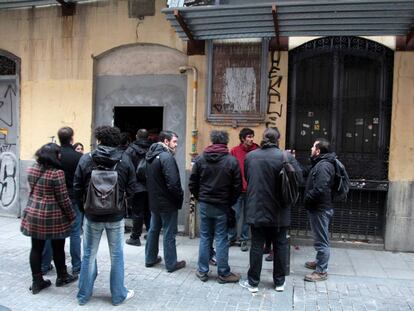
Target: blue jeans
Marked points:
75	245
213	224
167	221
319	222
89	269
240	209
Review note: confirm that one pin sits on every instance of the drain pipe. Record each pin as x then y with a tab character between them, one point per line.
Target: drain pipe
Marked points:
194	132
192	215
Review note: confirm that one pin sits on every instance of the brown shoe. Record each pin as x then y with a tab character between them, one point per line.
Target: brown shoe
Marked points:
157	261
310	265
179	265
231	278
316	276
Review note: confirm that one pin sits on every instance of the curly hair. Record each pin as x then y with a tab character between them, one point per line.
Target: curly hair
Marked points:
108	135
48	155
219	137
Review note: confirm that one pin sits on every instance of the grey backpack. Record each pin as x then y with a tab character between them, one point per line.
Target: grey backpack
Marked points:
102	194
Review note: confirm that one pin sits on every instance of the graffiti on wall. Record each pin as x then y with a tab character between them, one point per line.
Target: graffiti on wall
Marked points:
8	180
7	117
274	105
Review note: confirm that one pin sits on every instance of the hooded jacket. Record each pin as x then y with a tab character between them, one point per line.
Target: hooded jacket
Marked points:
137	151
264	207
216	178
165	193
318	190
240	152
107	157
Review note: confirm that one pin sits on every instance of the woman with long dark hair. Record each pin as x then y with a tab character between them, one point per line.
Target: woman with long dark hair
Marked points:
48	215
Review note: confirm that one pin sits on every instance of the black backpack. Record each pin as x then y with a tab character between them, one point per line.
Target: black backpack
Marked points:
103	193
141	170
341	182
289	183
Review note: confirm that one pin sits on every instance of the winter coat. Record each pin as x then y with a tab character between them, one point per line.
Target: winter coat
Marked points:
107	157
264	205
240	152
215	177
137	151
318	190
165	193
48	213
69	160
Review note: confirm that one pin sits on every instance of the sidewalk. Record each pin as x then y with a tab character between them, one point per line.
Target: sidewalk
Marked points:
358	280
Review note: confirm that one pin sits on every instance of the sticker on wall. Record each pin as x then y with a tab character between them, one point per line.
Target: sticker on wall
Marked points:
348	135
375	120
310	114
312	132
359	121
374	134
366	140
316	122
370	127
306	125
356	134
303	132
325	133
316	127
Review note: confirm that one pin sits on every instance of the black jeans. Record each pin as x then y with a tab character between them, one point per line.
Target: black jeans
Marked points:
58	247
140	214
280	249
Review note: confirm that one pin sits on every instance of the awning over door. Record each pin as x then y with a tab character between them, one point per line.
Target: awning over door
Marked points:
294	18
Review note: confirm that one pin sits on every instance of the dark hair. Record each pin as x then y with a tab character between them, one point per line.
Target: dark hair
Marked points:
65	135
244	132
48	155
75	145
323	145
271	135
142	134
168	135
125	139
219	137
108	135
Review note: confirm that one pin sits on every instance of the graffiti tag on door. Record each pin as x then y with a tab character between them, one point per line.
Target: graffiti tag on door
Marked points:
274	106
8	179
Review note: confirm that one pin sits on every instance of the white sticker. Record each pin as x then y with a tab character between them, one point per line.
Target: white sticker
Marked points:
310	114
303	132
316	121
348	135
375	120
356	134
359	121
306	125
370	127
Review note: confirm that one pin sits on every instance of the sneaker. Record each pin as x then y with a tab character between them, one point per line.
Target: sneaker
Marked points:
269	257
66	279
129	295
202	276
157	261
179	265
316	276
231	278
245	284
310	265
280	288
134	242
213	261
243	246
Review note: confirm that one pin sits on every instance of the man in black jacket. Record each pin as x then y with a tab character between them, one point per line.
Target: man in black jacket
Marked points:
140	209
165	196
318	202
107	155
216	183
265	212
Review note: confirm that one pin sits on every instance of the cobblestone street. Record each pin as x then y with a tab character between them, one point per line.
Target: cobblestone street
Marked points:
358	280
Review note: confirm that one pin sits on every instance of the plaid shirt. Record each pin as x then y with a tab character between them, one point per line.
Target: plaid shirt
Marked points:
48	214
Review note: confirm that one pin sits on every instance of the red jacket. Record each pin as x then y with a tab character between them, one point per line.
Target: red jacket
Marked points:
240	153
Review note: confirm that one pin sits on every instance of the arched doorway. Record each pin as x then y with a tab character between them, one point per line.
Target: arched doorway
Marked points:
340	88
9	134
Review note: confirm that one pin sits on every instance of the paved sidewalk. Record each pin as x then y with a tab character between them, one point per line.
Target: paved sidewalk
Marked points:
358	280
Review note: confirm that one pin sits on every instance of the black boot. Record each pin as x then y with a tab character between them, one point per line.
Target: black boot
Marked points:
39	283
64	278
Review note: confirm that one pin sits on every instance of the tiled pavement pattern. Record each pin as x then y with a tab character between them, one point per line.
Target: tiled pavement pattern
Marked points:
359	280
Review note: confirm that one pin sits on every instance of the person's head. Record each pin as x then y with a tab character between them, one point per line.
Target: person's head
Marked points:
320	146
108	135
142	134
219	137
78	147
125	139
65	135
246	136
271	135
49	155
169	138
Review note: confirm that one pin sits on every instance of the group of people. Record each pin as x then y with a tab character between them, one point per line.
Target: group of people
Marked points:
233	186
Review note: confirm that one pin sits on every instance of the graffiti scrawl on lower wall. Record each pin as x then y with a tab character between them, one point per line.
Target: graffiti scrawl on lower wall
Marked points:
8	180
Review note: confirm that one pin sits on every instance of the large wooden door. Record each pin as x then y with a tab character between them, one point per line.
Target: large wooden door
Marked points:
340	89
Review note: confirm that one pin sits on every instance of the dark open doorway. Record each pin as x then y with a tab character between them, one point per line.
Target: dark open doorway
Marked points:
131	119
